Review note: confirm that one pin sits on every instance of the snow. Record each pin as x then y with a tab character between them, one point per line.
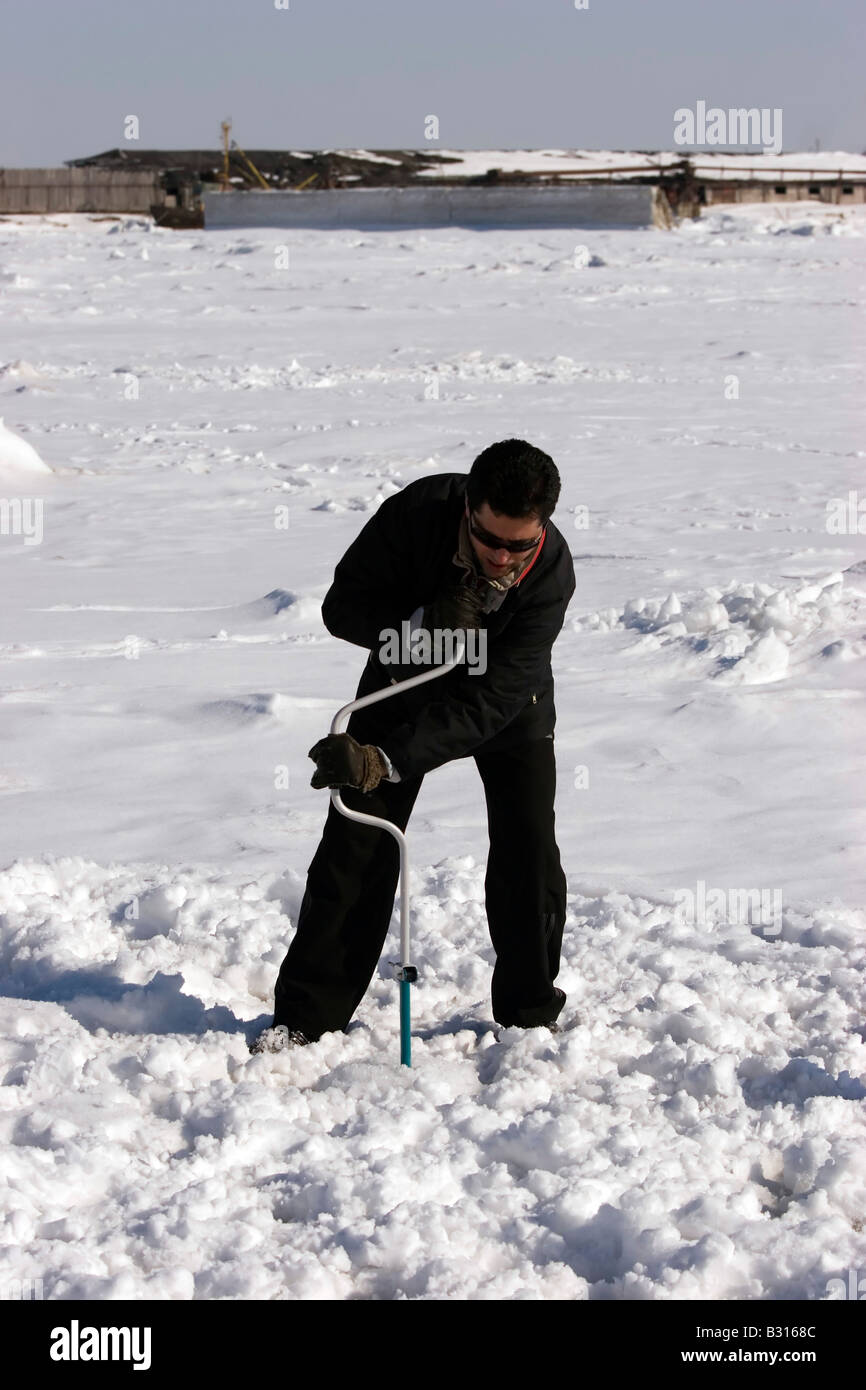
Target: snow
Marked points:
17	456
745	633
217	429
708	164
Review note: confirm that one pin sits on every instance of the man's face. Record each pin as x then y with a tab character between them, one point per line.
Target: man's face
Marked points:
493	560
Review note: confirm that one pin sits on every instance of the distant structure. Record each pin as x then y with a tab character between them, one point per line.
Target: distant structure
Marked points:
93	190
185	187
431	205
184	176
785	184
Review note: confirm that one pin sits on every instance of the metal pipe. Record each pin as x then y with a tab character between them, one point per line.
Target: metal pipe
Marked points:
407	974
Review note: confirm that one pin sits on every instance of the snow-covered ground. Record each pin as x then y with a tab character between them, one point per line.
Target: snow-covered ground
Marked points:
220	416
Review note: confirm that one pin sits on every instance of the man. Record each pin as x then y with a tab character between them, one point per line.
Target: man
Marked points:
476	553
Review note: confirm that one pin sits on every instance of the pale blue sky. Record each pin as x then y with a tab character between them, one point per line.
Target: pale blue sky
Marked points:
346	74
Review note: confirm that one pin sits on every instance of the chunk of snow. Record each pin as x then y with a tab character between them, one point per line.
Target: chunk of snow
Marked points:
17	456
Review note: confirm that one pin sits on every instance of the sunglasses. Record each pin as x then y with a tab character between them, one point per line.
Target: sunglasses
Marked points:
496	543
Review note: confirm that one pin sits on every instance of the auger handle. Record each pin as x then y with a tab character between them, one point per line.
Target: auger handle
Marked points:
407	973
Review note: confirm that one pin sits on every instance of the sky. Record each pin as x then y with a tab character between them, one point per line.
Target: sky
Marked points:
506	74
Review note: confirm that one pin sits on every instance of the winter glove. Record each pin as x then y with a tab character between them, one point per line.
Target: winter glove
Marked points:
343	762
459	607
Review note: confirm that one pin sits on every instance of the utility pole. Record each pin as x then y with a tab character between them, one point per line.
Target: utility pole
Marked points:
225	185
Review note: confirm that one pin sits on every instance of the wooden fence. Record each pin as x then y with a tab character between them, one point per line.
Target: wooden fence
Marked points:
78	190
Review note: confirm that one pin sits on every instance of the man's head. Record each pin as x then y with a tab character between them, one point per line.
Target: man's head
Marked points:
511	492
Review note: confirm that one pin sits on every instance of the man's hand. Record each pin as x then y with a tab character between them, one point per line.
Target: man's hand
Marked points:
343	762
454	608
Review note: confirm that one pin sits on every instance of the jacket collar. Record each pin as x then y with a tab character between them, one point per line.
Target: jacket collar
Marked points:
494	590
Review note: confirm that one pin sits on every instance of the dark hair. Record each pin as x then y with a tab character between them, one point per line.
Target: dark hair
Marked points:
514	479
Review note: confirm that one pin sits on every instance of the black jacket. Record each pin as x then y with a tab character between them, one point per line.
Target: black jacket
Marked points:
402	558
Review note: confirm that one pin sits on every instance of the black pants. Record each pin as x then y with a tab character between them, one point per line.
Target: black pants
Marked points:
352	882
